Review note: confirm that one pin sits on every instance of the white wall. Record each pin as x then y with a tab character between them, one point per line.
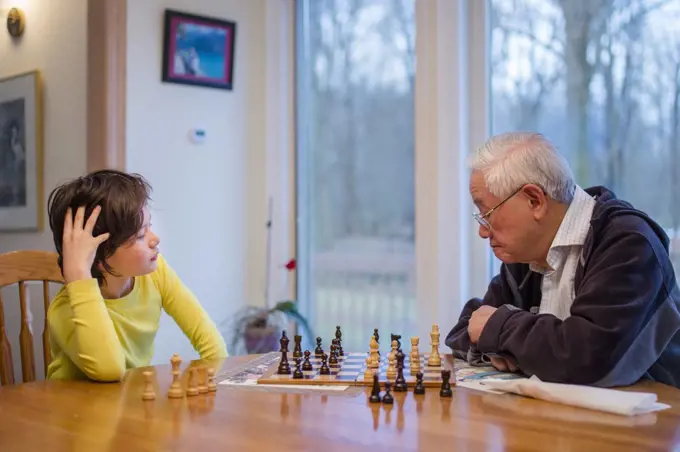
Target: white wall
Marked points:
54	42
209	200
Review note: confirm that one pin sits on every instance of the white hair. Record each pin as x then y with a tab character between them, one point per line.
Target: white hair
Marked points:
510	160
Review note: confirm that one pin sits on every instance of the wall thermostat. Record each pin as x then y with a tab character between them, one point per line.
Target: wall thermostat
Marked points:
197	136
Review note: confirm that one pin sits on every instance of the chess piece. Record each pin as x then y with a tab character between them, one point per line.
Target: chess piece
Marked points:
318	352
284	366
338	336
333	360
202	380
307	365
298	370
434	360
377	338
369	372
324	370
395	348
415	355
375	357
284	341
396	337
297	351
400	381
375	393
212	386
148	393
392	360
192	389
445	390
419	388
388	399
175	391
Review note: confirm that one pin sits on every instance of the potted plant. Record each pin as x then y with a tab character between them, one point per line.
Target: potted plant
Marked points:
258	329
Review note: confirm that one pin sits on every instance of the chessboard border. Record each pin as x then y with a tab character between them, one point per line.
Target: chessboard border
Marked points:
269	376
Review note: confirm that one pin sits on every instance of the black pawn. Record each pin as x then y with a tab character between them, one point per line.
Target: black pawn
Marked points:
334	357
375	393
324	365
284	366
307	366
387	398
400	382
298	372
297	351
445	391
419	388
319	350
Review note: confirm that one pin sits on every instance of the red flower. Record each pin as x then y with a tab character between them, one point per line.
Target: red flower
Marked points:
291	265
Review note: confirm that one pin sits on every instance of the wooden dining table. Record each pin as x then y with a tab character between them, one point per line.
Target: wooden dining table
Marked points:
87	416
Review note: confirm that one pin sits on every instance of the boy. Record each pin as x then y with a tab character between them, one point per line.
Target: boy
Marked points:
105	318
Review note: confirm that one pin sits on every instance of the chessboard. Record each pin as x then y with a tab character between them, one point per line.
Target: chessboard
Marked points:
351	368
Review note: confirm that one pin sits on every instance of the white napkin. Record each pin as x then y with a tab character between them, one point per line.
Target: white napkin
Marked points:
601	399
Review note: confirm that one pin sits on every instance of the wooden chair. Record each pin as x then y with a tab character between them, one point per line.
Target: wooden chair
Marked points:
18	267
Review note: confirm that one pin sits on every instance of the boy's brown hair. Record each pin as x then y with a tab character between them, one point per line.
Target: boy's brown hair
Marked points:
122	198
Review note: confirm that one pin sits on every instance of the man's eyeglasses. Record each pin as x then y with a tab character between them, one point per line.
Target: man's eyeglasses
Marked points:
482	219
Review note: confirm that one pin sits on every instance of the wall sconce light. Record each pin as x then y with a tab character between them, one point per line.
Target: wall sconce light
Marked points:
16	21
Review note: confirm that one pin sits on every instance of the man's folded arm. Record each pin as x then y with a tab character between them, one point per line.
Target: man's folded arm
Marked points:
620	321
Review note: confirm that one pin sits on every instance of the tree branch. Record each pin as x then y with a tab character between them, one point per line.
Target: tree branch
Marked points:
528	34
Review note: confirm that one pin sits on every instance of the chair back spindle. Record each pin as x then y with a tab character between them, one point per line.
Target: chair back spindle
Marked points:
20	267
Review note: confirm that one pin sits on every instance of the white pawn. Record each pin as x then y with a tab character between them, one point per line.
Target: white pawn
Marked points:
392	368
148	393
375	363
368	373
212	386
395	348
415	355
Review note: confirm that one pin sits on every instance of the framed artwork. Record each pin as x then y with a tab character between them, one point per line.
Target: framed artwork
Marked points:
198	50
21	142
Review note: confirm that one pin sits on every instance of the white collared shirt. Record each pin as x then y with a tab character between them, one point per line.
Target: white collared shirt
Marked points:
563	256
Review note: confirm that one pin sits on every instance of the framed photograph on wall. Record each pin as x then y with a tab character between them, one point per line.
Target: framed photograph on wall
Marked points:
198	50
21	153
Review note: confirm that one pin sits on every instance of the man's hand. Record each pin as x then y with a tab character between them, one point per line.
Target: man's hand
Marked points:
504	364
79	247
478	321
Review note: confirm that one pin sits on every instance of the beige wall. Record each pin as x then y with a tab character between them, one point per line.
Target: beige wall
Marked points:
209	202
54	43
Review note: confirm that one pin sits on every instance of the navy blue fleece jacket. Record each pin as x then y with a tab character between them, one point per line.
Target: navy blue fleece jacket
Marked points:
625	319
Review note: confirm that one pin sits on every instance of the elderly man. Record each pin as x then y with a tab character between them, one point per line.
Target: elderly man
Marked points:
586	293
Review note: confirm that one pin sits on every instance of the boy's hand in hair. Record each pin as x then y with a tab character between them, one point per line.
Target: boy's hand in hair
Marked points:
79	246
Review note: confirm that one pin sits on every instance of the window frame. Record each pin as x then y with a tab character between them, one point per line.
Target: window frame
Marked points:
452	117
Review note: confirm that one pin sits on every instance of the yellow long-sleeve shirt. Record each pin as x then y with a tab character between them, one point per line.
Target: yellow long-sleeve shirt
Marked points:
95	338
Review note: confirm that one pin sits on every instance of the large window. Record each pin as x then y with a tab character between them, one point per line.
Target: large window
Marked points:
601	78
355	166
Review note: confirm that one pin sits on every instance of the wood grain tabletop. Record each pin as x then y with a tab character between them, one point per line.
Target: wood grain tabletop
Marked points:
86	416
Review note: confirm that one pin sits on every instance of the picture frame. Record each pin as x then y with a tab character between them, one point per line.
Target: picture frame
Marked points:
21	152
198	50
